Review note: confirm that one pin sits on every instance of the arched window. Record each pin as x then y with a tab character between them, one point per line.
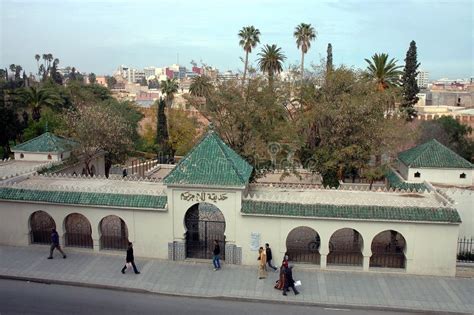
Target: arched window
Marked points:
345	248
463	175
78	231
22	155
302	245
388	250
41	225
417	175
50	157
114	233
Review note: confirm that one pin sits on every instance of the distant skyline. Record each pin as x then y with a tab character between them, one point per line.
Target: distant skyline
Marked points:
99	35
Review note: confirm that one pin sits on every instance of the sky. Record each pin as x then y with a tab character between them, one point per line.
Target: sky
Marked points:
99	35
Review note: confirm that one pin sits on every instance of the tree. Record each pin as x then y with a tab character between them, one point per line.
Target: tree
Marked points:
143	82
329	64
304	35
451	133
9	122
38	57
383	71
343	125
183	131
55	75
409	85
98	128
35	98
163	148
92	78
169	88
54	121
271	61
249	38
111	82
200	86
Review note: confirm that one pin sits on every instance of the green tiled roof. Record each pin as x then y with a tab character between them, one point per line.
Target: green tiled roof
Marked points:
433	154
210	163
84	198
351	211
396	182
46	143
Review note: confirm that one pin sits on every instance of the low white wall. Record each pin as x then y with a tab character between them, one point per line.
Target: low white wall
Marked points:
442	176
464	203
149	230
430	250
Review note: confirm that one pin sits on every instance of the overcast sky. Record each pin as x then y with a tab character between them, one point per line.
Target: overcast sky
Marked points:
98	35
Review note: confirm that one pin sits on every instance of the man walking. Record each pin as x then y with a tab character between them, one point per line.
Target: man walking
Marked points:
289	281
130	260
268	251
216	257
55	244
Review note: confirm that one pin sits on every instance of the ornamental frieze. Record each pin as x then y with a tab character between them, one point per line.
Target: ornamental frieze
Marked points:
203	196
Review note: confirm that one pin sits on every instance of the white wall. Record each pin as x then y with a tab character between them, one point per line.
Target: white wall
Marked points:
464	203
149	230
37	156
430	250
442	176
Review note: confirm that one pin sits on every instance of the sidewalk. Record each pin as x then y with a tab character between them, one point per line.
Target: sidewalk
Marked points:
334	288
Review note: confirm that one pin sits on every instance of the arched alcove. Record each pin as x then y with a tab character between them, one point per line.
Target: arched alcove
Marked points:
345	248
302	245
78	231
388	250
41	224
113	233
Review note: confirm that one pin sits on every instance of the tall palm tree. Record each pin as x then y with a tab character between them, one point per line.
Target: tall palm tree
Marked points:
249	38
384	72
38	57
200	86
169	87
35	98
271	61
304	34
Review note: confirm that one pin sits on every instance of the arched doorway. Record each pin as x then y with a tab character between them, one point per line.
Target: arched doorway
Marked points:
204	223
302	245
113	233
41	225
345	248
388	250
78	231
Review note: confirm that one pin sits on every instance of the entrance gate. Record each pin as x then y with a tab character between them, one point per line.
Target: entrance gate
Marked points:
204	223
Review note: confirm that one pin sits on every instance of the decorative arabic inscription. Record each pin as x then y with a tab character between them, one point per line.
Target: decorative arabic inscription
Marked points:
203	196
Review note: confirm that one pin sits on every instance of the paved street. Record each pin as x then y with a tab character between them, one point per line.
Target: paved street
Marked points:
19	297
333	288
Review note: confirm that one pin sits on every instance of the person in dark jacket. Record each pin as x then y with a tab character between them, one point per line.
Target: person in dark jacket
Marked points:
289	281
55	244
269	257
130	260
216	257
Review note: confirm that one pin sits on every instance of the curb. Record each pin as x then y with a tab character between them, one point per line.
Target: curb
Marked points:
228	298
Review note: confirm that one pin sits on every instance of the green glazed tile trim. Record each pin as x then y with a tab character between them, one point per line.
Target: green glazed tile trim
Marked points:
360	212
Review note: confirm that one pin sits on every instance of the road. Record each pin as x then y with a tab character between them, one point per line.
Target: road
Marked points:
20	297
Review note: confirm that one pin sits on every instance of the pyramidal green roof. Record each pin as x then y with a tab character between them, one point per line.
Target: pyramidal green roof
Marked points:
433	154
211	163
46	143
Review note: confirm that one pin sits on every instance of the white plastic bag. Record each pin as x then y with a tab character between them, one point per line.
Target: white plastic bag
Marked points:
297	283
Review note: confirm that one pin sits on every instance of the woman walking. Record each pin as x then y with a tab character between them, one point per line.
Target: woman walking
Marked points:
262	269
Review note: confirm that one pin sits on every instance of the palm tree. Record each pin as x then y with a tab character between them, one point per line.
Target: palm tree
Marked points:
35	98
169	87
38	57
304	34
384	72
200	86
249	38
271	61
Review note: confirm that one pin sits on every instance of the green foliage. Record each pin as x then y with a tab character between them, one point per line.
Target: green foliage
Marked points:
304	35
383	71
329	63
92	78
163	148
271	61
111	82
183	131
49	120
249	38
37	98
451	133
169	88
201	86
409	84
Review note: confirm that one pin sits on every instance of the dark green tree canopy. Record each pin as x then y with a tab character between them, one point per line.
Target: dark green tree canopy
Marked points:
409	85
